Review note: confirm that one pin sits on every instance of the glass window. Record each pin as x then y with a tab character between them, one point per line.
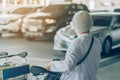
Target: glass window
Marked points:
118	20
102	21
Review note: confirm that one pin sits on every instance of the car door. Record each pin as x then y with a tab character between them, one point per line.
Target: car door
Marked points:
116	30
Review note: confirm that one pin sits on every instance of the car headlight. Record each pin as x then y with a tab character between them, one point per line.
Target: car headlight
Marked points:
16	20
72	37
50	21
98	35
51	29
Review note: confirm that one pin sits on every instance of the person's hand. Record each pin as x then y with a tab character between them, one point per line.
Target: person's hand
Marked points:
48	66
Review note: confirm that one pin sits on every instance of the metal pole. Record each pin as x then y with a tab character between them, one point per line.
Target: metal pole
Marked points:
3	5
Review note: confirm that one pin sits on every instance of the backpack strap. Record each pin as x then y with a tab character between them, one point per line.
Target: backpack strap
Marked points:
87	52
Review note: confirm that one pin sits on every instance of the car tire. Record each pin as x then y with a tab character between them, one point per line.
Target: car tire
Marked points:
107	46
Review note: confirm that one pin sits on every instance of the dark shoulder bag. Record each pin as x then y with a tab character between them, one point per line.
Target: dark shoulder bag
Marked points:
87	52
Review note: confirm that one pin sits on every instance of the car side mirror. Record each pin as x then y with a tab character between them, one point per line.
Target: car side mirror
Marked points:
116	27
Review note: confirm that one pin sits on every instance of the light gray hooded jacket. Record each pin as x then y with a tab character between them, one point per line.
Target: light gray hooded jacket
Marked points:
85	71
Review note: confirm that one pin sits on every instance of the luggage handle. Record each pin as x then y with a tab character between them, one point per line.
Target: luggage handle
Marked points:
37	70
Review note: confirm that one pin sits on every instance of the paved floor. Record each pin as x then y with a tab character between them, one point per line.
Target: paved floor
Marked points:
110	69
111	72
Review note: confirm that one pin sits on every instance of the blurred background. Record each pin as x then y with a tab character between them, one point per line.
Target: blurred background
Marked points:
41	28
6	5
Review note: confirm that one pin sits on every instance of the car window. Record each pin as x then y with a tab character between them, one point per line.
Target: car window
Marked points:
102	20
117	22
22	11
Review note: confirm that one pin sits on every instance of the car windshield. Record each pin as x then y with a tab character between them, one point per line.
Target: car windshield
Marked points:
54	8
22	11
102	20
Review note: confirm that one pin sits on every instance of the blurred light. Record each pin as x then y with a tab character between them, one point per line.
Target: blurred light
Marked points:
50	21
51	29
3	5
92	4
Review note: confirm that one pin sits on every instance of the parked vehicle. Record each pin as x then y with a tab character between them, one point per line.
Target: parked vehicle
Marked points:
44	24
106	28
12	21
117	10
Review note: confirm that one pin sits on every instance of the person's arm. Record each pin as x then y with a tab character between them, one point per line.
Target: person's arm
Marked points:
70	61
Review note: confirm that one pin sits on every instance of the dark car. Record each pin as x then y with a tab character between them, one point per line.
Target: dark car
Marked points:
117	10
12	21
44	24
106	28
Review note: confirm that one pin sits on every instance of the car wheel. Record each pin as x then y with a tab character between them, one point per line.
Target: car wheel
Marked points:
107	45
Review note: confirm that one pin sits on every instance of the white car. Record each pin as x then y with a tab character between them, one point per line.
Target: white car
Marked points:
106	28
12	21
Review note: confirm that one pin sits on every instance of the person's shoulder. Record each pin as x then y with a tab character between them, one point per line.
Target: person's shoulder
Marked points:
74	44
76	41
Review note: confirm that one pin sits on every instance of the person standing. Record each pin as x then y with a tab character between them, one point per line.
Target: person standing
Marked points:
87	70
